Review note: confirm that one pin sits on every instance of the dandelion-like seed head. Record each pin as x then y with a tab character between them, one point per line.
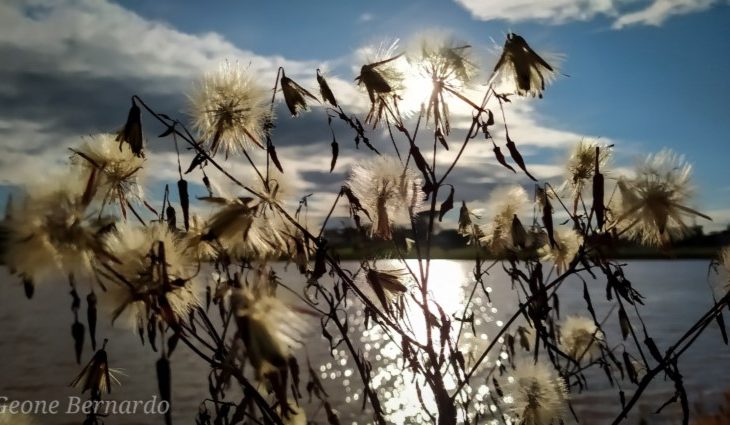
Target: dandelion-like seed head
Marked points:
247	230
387	190
539	394
568	243
380	75
442	59
195	239
144	282
270	329
580	338
521	70
277	190
230	109
387	280
653	204
506	203
50	230
581	164
119	168
440	67
383	77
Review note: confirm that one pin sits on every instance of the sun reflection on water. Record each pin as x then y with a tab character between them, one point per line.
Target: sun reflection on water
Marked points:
450	284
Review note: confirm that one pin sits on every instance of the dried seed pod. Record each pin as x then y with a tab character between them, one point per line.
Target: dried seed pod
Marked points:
294	94
131	134
325	91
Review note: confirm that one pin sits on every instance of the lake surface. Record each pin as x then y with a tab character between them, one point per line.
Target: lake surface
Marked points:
37	360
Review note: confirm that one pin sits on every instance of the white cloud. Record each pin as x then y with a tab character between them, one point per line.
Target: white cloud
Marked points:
366	17
562	11
661	10
553	11
94	42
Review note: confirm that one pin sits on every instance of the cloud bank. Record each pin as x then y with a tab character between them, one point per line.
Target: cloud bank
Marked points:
622	12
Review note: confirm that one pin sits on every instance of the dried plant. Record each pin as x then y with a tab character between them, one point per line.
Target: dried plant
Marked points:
440	349
653	204
230	110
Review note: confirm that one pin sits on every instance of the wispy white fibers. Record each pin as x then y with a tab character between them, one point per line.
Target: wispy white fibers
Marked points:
52	230
388	191
506	203
539	394
580	337
118	167
568	242
270	329
230	109
153	275
653	205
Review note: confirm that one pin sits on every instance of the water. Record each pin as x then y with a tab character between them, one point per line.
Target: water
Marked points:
37	360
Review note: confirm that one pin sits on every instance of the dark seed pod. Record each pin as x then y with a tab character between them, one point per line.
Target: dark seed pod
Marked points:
294	95
165	386
28	287
182	188
132	131
91	317
325	91
77	331
517	158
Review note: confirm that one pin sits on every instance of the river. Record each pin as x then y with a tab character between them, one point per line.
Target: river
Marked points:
37	361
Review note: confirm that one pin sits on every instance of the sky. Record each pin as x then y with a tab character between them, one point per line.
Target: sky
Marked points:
641	75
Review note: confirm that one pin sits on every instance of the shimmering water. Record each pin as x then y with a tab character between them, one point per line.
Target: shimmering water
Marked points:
36	350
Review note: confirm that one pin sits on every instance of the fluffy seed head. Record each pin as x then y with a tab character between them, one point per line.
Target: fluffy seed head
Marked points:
383	78
230	110
247	230
439	67
506	203
145	285
119	168
50	231
580	338
567	245
389	192
581	165
269	328
539	394
654	204
387	280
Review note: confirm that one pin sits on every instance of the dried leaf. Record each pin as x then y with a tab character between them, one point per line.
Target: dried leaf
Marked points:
517	157
294	95
91	317
132	131
165	386
169	131
649	342
624	322
325	91
171	218
598	194
440	136
77	331
182	189
28	287
197	160
335	153
501	159
447	205
633	376
274	157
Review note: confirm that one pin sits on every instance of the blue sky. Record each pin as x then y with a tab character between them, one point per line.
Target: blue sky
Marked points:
641	74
